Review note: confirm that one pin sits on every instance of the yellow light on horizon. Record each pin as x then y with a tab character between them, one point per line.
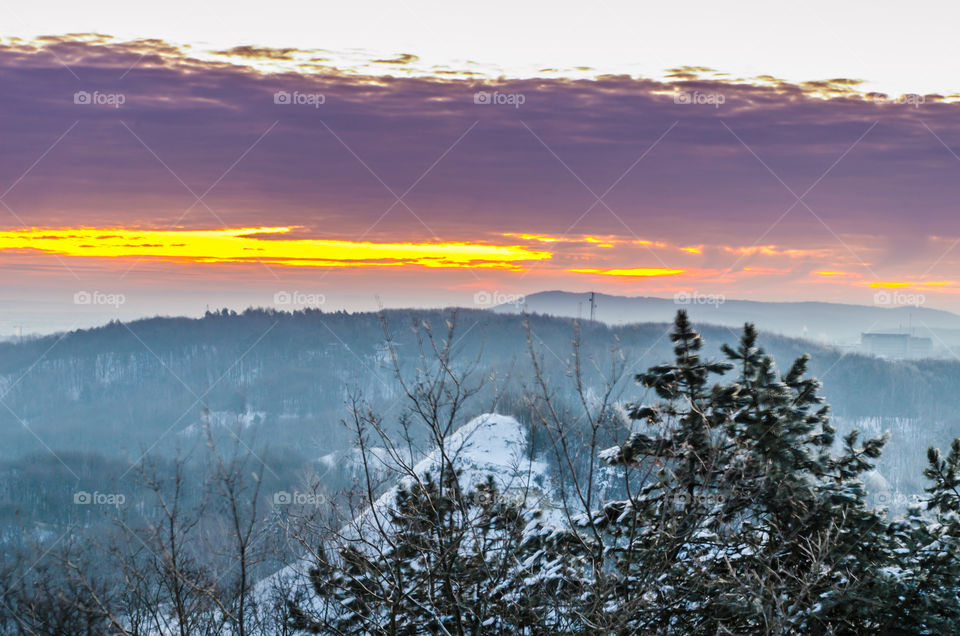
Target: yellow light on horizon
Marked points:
239	245
533	237
608	241
636	271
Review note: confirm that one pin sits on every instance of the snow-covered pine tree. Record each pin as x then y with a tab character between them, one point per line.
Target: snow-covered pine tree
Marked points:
442	563
924	576
740	519
672	474
797	526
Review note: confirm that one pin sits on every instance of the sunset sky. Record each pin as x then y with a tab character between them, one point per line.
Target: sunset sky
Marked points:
198	159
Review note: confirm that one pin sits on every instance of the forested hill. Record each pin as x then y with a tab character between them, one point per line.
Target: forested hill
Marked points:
123	385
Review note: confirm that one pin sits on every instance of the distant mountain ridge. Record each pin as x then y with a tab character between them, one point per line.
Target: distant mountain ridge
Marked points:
826	322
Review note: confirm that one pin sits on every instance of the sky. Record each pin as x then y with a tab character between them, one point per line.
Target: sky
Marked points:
160	160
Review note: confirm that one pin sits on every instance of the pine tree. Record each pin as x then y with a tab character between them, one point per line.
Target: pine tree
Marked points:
441	566
748	523
926	571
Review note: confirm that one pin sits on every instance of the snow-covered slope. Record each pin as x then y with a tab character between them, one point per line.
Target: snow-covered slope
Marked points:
490	444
